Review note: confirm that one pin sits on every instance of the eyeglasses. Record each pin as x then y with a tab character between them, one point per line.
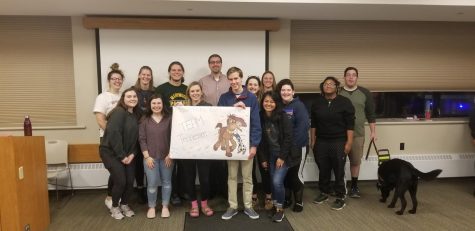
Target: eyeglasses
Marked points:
329	85
116	79
215	62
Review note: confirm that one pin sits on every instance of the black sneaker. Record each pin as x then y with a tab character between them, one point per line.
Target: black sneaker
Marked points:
332	193
176	200
354	192
278	216
322	197
298	207
338	204
287	203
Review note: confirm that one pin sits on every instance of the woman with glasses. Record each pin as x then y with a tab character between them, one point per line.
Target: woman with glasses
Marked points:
105	102
331	135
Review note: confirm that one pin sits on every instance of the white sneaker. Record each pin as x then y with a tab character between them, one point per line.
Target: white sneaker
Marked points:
127	211
108	202
116	213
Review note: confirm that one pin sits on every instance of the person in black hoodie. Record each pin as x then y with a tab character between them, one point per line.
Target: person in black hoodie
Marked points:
275	148
118	151
331	134
298	114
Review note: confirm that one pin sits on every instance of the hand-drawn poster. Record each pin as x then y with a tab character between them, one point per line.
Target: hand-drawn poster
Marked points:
206	132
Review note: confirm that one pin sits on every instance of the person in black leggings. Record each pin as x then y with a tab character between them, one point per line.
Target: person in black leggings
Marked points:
333	120
195	94
118	149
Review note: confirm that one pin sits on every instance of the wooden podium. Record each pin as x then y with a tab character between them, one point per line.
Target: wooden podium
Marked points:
24	191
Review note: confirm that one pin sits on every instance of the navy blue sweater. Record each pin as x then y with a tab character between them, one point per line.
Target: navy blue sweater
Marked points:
250	100
300	121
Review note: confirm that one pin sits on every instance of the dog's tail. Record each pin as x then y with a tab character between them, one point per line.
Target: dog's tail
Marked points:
428	175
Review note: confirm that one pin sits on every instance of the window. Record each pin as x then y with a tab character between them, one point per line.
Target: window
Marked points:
36	71
390	55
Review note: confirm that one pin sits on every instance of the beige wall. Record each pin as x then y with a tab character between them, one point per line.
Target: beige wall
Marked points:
423	137
418	138
279	51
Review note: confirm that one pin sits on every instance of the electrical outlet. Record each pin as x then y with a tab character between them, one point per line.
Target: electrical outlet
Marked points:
401	146
20	173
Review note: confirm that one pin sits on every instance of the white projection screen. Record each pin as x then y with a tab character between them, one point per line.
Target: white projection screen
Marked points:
132	49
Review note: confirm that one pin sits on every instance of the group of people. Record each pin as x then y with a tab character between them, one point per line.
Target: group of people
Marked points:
135	129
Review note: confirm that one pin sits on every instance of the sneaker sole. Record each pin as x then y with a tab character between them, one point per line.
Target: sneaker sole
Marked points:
354	196
227	218
117	218
129	215
320	202
252	217
339	208
279	220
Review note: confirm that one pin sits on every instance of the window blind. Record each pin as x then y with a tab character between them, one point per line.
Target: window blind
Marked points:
390	55
36	71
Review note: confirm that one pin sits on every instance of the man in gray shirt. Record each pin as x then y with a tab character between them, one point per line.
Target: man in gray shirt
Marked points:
213	86
215	83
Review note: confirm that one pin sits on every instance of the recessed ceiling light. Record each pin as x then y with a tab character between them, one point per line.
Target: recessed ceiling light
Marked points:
189	9
460	13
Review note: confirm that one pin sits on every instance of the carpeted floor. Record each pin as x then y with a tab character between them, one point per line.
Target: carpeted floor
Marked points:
444	204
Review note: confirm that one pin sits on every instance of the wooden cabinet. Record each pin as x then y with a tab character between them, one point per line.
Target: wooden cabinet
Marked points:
23	191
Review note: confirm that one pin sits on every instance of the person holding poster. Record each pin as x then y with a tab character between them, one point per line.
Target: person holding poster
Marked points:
238	96
214	85
154	138
195	94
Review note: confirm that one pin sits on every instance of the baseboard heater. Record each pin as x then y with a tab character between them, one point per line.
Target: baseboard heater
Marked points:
84	176
452	165
94	175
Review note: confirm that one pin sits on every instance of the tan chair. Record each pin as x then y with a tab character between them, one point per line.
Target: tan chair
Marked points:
57	162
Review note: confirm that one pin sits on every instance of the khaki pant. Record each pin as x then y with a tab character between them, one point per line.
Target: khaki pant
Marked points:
356	152
246	171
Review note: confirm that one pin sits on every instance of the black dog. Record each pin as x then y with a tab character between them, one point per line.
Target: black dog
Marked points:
402	176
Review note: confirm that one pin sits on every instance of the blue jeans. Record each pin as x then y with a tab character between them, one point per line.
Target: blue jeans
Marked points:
159	173
278	176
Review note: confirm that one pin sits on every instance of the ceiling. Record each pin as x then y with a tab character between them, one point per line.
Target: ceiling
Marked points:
415	10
